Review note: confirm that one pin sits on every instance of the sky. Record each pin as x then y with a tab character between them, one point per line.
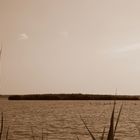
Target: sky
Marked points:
70	46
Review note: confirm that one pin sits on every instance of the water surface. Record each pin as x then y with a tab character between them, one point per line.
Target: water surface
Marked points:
60	120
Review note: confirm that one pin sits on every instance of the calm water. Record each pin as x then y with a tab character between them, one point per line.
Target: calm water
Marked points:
60	120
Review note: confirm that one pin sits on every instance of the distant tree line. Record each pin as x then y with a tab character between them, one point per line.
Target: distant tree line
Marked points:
72	97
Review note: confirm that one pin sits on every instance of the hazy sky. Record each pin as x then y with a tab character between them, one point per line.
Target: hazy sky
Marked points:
88	46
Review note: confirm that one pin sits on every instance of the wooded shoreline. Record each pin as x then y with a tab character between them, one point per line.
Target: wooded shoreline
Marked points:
72	97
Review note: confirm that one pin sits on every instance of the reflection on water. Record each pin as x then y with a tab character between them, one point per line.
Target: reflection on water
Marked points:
60	120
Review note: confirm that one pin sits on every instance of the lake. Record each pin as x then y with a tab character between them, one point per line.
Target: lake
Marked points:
60	120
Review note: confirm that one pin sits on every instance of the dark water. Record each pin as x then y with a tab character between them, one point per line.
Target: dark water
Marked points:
60	120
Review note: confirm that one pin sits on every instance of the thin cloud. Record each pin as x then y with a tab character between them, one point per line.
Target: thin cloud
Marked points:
23	36
126	49
123	50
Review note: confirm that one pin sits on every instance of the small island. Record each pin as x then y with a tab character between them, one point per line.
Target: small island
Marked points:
73	96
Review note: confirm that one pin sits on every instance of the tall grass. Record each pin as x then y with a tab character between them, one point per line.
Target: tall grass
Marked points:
112	126
7	133
118	119
33	137
1	128
78	138
92	136
42	135
102	138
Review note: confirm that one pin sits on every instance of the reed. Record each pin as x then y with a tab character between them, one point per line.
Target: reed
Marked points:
118	119
2	125
92	136
102	138
42	135
7	133
33	137
78	138
112	127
